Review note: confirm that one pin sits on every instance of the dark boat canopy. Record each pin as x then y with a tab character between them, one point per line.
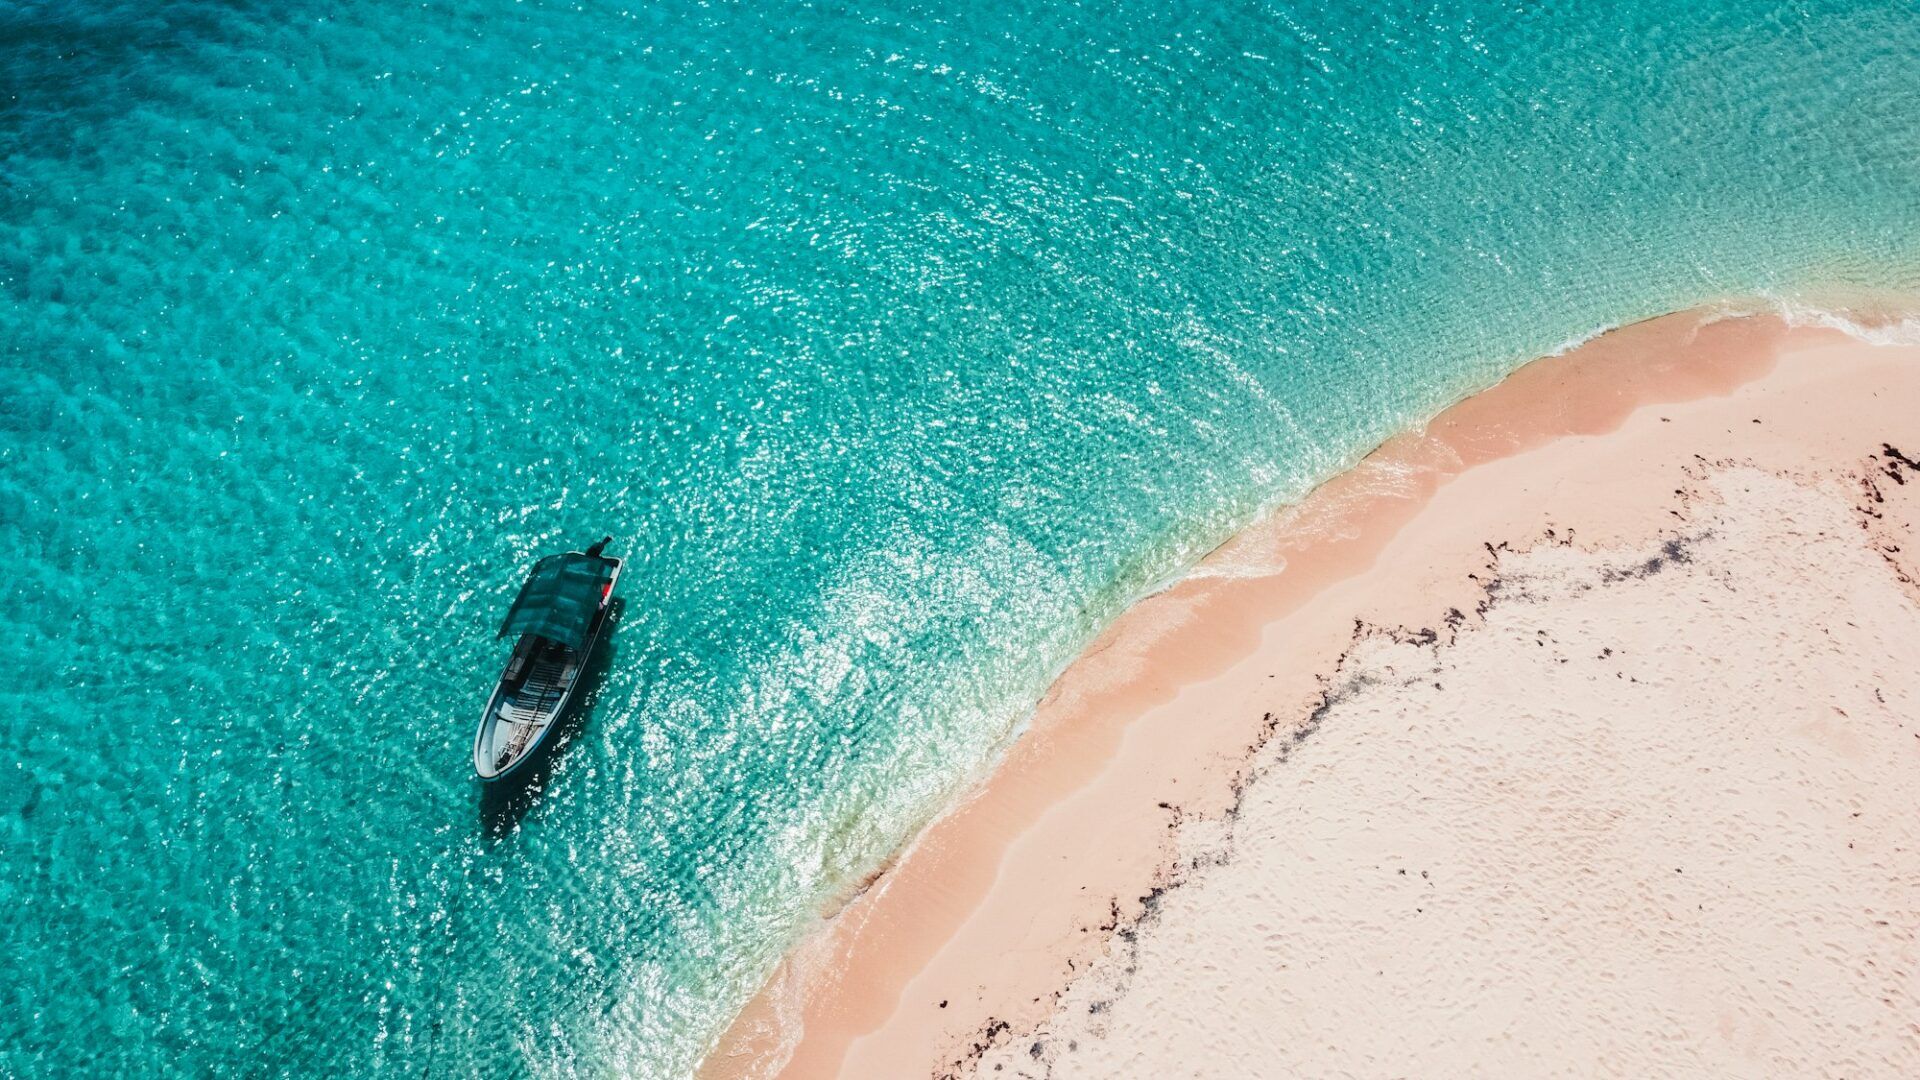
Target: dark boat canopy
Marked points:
560	598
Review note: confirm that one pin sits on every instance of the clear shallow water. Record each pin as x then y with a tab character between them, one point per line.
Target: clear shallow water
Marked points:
899	347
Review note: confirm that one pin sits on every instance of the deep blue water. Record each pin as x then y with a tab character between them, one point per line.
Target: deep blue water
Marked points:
899	346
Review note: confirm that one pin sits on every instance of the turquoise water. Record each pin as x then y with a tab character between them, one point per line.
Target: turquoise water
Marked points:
898	346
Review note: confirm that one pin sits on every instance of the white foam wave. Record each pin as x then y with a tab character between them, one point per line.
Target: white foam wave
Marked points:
1876	320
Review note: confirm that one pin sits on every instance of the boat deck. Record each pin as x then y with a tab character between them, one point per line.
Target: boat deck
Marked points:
530	707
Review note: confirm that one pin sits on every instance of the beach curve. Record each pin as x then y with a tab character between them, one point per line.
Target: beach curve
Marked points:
969	938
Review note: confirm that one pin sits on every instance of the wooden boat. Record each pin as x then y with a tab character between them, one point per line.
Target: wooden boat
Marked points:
555	622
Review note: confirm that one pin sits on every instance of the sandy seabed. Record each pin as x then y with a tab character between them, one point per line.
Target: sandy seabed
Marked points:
1577	733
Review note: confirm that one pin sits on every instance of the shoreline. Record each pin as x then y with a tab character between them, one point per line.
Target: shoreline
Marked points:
973	931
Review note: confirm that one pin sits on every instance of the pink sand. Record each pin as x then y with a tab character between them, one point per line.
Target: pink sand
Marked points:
996	931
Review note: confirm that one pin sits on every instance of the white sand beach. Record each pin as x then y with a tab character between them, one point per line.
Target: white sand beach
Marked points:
1577	733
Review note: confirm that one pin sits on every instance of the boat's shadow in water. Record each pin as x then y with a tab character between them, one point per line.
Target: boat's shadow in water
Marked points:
504	803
